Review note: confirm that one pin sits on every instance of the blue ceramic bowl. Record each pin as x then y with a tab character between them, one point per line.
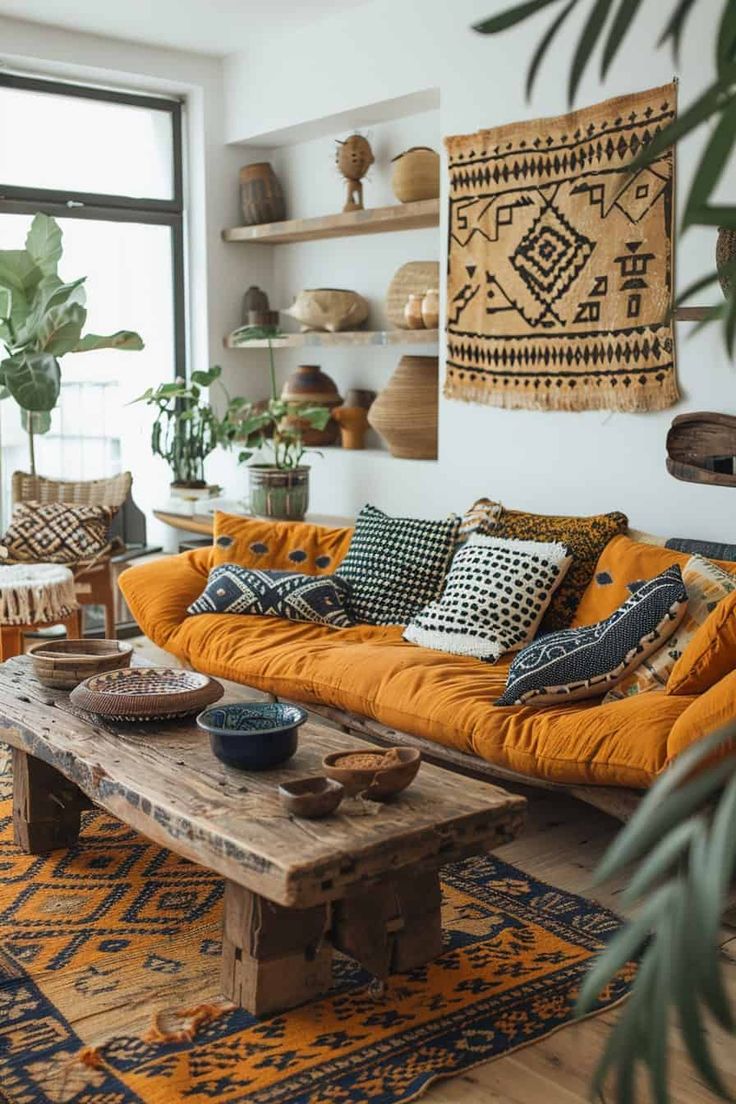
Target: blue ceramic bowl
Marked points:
253	735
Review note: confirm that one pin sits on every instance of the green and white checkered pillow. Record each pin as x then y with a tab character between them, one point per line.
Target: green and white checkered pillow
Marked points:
395	566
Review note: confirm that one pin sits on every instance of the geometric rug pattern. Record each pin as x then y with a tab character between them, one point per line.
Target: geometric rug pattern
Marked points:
109	985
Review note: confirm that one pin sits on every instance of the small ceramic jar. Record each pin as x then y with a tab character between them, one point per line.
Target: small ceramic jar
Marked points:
413	313
431	308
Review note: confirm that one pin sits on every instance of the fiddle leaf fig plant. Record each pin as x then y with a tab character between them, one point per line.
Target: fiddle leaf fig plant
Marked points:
41	320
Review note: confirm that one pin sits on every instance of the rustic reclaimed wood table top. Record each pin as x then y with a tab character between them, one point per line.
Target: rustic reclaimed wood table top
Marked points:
162	779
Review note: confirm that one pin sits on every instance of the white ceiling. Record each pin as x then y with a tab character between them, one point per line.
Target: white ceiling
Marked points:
206	26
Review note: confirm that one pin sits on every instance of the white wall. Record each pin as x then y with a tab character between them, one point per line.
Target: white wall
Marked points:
576	462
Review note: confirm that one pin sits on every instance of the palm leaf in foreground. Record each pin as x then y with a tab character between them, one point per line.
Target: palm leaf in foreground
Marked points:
684	837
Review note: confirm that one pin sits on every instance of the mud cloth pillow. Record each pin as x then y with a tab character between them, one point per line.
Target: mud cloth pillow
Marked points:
56	532
585	539
707	585
584	662
283	545
395	566
321	599
494	597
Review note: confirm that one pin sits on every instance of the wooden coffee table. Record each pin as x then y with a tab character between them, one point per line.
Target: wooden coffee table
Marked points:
364	880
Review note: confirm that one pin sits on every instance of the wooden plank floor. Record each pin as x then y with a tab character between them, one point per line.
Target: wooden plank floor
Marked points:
562	844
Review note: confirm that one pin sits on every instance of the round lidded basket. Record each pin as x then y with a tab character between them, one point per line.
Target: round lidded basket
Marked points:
63	664
146	693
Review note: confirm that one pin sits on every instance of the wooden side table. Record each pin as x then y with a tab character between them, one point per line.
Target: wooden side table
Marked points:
35	596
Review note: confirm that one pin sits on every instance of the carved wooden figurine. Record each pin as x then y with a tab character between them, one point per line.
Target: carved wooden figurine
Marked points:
354	157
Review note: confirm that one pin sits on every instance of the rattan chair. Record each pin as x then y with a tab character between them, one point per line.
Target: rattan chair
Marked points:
95	584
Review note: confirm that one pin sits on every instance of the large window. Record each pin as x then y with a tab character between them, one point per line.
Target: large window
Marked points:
108	167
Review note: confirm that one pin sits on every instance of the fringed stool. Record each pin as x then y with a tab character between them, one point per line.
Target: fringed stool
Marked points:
35	596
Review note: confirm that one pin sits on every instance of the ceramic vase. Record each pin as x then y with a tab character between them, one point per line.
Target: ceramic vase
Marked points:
261	197
413	319
416	174
275	493
405	412
353	422
330	309
431	308
255	302
725	255
310	386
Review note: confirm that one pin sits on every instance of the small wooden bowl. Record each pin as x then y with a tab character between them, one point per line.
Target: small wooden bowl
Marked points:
393	771
63	664
311	797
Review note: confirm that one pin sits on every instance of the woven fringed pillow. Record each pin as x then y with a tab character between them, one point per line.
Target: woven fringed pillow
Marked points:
396	565
585	662
494	598
56	532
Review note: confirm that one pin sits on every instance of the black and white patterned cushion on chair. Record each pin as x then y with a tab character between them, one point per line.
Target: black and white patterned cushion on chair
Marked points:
584	662
396	565
230	588
494	598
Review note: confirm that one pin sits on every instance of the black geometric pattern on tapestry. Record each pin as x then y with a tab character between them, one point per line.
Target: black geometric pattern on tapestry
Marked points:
588	661
494	598
395	566
322	599
56	532
560	268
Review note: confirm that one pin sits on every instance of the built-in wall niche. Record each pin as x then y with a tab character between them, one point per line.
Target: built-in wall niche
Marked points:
318	245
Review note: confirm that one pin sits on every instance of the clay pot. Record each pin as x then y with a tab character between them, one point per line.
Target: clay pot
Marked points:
413	319
330	309
431	308
416	174
255	301
725	255
405	412
353	422
310	386
358	396
276	493
261	197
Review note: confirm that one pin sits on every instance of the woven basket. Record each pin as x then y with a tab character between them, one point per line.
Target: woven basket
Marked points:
63	664
146	693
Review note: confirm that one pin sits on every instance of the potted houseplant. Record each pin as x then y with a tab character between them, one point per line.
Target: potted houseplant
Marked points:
41	320
186	428
279	488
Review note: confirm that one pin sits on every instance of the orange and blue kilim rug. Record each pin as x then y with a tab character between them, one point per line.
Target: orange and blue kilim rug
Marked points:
109	971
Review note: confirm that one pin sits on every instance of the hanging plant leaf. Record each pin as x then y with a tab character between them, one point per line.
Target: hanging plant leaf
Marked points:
544	45
33	379
511	16
624	17
123	339
61	329
35	421
592	31
43	243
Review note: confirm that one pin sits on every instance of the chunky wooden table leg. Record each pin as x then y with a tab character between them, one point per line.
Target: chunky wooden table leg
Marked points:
392	927
46	806
273	958
11	641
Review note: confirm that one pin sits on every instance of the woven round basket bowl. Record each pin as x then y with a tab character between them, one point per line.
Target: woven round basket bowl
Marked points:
63	664
146	693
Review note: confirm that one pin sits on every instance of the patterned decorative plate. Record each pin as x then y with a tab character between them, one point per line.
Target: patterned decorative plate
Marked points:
146	693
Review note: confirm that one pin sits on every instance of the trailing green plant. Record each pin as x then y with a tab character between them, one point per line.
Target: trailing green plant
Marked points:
41	320
607	22
186	428
683	836
276	425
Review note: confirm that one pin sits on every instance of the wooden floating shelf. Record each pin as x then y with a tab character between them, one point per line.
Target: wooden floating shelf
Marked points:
378	220
348	338
692	314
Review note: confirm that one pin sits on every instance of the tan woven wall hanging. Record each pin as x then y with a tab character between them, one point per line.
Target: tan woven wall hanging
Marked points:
560	262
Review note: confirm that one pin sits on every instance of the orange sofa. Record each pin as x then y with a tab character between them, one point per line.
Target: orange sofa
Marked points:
370	671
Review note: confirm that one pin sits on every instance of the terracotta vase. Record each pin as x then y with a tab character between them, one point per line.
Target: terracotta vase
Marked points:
431	308
725	255
310	386
261	197
416	174
353	422
405	412
413	319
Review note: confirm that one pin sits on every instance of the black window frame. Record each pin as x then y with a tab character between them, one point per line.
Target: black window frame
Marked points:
65	203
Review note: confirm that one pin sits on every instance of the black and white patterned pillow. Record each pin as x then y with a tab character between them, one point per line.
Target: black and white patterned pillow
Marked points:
582	663
396	565
494	597
56	532
230	588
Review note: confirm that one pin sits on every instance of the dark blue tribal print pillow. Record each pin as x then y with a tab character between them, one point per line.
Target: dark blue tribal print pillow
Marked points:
321	599
584	662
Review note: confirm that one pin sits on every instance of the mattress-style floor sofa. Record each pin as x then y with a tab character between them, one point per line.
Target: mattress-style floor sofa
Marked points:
369	674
